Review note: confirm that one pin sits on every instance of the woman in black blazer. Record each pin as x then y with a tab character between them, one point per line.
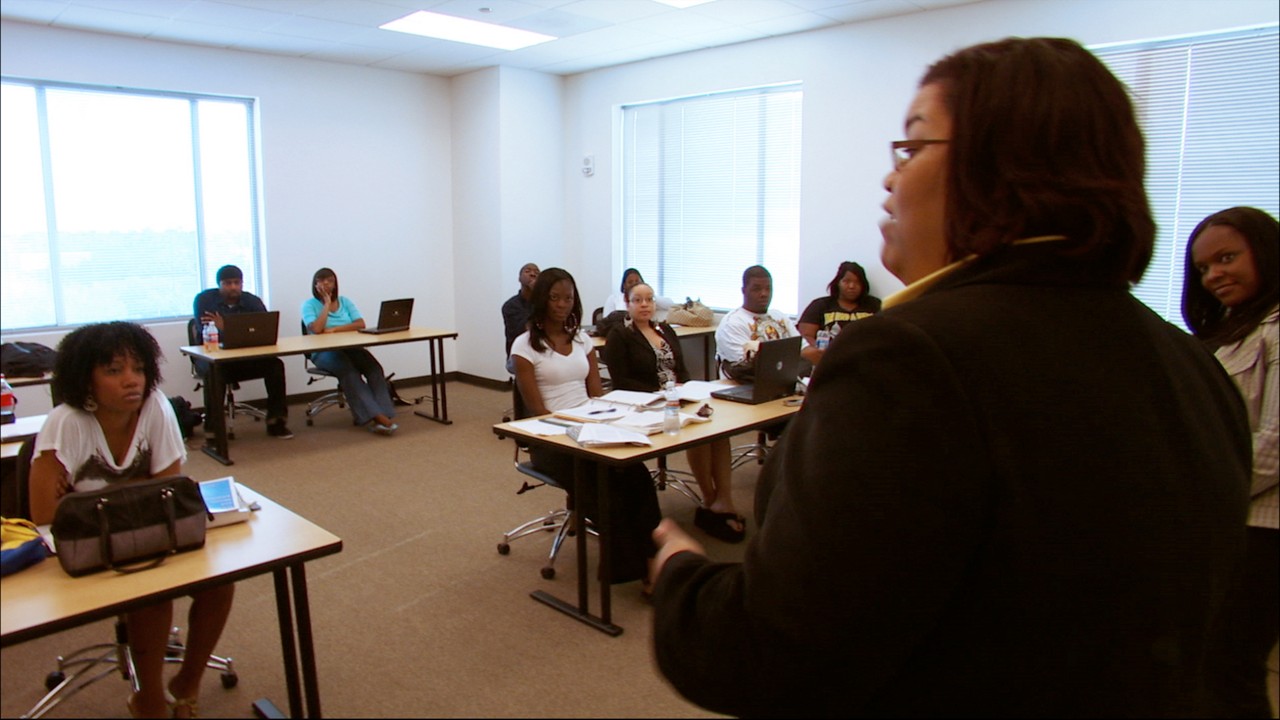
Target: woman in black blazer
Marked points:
643	355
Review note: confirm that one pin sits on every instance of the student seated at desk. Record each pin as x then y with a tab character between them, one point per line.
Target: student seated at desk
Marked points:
849	298
556	370
643	355
358	371
618	301
229	298
743	329
114	426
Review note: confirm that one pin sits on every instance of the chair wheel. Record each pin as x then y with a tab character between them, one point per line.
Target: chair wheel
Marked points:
231	436
310	422
548	573
504	549
54	679
230	680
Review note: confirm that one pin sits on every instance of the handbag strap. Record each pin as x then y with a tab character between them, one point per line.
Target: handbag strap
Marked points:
104	537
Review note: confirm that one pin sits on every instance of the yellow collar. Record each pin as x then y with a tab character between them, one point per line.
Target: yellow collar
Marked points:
918	288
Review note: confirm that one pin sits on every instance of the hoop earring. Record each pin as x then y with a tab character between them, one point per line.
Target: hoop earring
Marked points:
90	404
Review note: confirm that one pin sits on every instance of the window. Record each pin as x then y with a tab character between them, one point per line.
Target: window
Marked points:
120	204
711	185
1208	108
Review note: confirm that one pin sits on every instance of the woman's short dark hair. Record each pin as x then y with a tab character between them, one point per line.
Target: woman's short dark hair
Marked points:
1044	141
93	346
1208	318
320	275
542	298
623	285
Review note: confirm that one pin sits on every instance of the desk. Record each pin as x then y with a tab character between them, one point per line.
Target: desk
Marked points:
17	382
215	424
43	599
730	419
708	335
21	429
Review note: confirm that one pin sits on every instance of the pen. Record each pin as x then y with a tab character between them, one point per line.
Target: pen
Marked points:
561	423
601	412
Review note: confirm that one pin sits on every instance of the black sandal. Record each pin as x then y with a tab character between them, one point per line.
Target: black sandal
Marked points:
716	524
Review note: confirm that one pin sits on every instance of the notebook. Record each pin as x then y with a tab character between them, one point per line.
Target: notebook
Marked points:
242	330
393	317
777	366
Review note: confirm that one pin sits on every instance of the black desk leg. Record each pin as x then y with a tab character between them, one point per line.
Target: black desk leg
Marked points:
301	603
288	648
215	418
439	400
606	556
581	611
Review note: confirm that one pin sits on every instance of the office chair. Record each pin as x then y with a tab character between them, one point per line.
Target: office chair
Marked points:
682	481
559	521
195	336
316	373
86	666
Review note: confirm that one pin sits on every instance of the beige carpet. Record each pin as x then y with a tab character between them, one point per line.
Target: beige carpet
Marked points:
419	616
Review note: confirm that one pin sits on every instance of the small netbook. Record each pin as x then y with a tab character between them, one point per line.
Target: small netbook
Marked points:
242	330
393	317
777	367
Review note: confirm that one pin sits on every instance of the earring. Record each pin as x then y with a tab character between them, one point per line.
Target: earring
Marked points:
90	404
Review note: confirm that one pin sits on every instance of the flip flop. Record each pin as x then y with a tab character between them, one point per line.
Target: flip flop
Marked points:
716	524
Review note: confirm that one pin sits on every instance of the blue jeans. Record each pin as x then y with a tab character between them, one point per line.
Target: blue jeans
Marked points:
362	380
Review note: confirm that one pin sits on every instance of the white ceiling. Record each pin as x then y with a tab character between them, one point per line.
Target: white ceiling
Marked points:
592	33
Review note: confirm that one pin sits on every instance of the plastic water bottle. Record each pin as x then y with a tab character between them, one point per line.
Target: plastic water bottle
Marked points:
824	339
210	337
8	403
671	415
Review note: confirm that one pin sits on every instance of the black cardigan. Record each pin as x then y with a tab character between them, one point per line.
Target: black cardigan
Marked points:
632	363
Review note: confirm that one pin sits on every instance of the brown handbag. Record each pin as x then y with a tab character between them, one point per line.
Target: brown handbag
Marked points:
691	313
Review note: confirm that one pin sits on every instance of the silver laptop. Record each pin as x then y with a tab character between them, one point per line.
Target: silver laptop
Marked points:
242	330
777	367
393	317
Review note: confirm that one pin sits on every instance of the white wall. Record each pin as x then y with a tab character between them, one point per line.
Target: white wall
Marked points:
508	198
858	80
355	169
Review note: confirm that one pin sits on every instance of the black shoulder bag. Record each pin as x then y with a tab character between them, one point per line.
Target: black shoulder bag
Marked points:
128	522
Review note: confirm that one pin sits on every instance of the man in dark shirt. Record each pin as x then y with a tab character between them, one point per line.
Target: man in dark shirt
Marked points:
515	311
227	299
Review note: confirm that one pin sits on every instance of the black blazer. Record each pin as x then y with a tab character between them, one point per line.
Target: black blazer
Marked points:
632	362
1019	494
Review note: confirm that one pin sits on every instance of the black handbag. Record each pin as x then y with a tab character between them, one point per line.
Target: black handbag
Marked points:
128	522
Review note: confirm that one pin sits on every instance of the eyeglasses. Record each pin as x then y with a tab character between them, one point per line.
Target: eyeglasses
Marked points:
904	150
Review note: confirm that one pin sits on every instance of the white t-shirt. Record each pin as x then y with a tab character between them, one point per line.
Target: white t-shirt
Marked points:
77	439
741	326
562	379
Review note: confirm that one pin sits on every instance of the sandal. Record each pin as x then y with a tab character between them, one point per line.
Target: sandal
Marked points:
716	524
181	707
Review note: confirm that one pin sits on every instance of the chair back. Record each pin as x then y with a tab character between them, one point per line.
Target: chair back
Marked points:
307	362
16	501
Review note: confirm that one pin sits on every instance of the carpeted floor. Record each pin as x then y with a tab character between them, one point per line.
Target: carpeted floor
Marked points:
419	616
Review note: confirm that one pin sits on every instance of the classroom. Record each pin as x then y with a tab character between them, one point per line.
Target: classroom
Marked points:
440	188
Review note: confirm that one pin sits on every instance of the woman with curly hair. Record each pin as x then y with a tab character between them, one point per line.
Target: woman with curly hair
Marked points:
114	425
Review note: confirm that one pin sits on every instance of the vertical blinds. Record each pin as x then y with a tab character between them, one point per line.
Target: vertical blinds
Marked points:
711	185
1209	109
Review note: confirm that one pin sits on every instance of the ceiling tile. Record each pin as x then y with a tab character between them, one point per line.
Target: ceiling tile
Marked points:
34	11
91	18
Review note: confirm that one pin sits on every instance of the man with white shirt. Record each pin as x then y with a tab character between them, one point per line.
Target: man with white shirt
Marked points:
743	329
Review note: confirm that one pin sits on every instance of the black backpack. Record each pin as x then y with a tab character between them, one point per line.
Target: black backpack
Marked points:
188	417
26	359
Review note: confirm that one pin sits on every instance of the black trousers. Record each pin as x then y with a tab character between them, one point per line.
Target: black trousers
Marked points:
1246	631
633	509
269	370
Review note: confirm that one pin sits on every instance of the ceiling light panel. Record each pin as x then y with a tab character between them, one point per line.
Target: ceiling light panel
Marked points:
473	32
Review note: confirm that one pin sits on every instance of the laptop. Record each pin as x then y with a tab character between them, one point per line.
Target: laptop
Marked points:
777	366
242	330
393	317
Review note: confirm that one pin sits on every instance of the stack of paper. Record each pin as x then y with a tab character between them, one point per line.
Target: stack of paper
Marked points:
650	423
600	435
